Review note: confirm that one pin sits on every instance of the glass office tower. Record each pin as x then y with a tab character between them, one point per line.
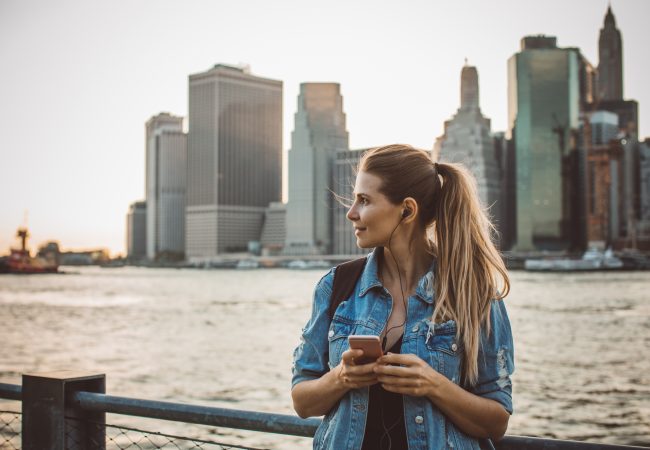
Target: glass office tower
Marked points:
543	109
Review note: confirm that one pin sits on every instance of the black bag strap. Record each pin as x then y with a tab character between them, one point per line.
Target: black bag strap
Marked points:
346	276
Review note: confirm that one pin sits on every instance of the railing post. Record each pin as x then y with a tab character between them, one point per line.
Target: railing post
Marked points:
50	418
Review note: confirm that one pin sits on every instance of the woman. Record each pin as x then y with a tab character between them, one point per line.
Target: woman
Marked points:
432	291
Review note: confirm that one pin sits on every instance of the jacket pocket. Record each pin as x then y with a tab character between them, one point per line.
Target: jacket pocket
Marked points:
444	350
337	337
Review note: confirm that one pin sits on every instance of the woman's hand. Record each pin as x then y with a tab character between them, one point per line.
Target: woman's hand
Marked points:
353	376
410	376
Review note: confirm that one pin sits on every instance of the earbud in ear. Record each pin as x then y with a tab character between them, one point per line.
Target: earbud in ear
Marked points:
406	213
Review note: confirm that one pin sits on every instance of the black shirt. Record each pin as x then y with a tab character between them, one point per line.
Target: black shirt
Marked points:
385	429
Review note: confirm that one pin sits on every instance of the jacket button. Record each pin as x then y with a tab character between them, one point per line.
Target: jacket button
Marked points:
415	328
360	407
419	419
454	347
331	333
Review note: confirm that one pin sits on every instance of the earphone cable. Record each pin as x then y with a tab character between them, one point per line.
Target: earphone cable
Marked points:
401	288
387	430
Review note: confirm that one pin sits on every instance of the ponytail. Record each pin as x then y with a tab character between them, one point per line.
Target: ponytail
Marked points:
469	268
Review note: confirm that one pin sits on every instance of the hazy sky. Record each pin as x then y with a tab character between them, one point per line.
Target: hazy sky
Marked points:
79	79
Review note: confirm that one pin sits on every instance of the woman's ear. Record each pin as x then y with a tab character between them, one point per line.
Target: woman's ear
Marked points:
409	208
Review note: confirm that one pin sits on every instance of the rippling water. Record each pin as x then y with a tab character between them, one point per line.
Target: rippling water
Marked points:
225	338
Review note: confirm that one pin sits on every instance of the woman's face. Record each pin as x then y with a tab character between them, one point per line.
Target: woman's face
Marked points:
373	216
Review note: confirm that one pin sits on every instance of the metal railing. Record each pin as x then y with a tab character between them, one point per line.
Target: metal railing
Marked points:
64	410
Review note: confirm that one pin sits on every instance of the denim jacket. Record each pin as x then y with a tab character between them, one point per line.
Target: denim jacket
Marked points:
366	312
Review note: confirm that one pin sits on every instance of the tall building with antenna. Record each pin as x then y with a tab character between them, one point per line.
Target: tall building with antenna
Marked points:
610	60
610	97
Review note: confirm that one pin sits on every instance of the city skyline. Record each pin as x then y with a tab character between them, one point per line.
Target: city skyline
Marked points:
74	142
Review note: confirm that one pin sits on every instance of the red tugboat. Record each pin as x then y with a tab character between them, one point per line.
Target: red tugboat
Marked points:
20	261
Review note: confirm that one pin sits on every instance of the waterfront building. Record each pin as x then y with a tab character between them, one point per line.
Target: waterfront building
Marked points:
467	139
543	110
604	178
505	208
630	203
234	159
136	231
274	231
343	179
319	132
166	174
610	97
644	163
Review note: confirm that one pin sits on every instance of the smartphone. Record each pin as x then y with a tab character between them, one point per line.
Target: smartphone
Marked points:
370	345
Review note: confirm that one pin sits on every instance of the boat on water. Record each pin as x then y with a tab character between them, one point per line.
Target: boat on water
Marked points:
246	264
300	264
592	259
20	260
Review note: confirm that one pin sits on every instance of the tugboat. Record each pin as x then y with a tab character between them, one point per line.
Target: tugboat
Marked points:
20	261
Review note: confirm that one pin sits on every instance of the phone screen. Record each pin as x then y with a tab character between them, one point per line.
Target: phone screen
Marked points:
370	345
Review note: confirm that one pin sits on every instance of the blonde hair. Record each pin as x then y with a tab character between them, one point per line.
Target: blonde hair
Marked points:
469	271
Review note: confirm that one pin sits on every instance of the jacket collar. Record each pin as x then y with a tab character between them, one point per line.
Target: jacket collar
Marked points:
370	278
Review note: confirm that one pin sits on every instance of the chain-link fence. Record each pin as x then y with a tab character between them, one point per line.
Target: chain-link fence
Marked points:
10	425
116	437
122	438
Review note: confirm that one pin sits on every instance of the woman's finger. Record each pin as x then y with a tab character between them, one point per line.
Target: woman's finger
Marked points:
348	356
398	358
363	369
362	379
366	383
404	390
395	371
399	381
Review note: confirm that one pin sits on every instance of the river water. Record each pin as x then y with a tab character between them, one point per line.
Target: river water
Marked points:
225	338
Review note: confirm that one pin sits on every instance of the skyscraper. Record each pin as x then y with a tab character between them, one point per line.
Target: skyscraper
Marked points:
467	139
234	158
604	177
319	132
543	109
166	174
610	98
610	77
136	231
610	60
644	175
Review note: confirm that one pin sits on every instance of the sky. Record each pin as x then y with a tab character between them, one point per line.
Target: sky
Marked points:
80	78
